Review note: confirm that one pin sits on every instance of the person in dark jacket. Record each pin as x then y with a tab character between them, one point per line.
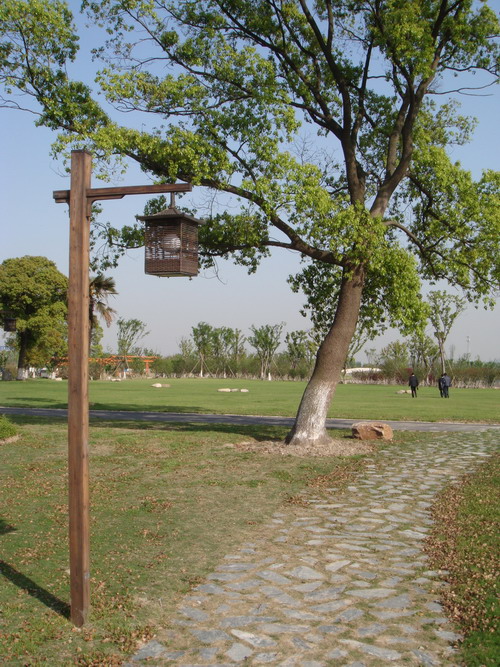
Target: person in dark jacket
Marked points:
413	382
446	382
441	385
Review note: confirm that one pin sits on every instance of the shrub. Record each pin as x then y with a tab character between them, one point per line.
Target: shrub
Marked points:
7	429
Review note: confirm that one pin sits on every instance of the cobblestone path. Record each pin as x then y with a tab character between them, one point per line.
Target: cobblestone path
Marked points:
339	580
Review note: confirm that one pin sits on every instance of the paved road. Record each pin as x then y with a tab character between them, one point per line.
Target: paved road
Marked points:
196	418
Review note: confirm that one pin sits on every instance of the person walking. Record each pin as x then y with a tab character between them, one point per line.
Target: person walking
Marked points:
446	382
441	385
413	382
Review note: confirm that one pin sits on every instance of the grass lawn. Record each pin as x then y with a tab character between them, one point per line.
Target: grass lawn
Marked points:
263	398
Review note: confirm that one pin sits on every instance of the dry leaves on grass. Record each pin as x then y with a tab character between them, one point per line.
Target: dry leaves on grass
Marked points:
336	447
464	544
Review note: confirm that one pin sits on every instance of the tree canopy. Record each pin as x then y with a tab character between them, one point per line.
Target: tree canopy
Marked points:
233	84
265	340
33	291
130	332
328	122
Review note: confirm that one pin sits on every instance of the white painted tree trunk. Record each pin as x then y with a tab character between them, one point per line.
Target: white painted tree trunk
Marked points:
309	428
22	364
309	425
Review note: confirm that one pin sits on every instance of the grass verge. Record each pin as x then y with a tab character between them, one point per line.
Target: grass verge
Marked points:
465	543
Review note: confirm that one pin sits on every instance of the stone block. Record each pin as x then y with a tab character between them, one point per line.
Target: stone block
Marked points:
371	431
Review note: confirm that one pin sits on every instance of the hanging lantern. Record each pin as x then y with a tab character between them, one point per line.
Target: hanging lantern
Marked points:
9	324
171	243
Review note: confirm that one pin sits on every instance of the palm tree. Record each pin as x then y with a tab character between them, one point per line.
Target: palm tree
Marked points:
100	289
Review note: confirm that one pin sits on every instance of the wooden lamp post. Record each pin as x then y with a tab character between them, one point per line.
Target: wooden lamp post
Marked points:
80	198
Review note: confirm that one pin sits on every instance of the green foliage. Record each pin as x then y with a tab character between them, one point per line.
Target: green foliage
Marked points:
394	360
100	289
38	40
266	339
130	332
477	373
423	352
300	347
242	82
96	334
219	349
7	429
29	284
391	296
202	335
137	366
443	310
34	291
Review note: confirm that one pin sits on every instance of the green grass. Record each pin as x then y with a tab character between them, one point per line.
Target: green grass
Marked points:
167	502
7	428
263	398
465	542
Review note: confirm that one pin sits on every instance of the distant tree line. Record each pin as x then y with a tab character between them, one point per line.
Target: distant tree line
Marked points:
33	292
225	352
398	359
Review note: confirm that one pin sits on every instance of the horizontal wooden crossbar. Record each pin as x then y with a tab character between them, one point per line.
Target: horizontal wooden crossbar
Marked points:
95	194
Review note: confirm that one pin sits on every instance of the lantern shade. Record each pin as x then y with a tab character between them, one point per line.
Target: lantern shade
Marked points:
9	324
171	243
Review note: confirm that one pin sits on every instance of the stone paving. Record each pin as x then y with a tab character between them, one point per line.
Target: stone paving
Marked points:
339	579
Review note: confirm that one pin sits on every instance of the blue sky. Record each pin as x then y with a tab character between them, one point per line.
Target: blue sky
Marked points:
33	224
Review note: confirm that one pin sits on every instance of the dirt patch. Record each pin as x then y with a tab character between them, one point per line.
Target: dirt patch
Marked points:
7	441
336	447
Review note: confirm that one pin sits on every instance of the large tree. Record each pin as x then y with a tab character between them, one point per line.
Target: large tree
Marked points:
328	122
33	291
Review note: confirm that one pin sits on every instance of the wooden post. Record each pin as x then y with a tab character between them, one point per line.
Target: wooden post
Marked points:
80	198
78	405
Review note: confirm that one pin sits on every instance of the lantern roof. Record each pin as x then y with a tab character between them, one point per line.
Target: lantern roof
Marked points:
170	212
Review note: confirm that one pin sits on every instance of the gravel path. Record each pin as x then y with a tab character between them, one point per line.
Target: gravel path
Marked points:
339	579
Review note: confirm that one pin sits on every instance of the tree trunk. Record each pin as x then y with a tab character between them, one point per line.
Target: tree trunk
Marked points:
309	428
22	371
441	354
